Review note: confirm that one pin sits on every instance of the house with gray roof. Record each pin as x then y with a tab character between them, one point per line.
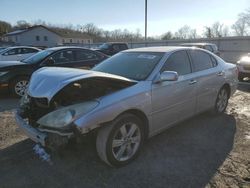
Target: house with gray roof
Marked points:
42	36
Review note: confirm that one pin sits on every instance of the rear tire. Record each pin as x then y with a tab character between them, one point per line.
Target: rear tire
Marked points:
221	101
120	142
18	86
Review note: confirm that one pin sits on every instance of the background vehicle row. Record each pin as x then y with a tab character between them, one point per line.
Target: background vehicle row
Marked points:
15	75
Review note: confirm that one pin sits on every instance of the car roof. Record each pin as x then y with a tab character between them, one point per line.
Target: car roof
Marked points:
66	47
13	47
115	43
198	43
164	49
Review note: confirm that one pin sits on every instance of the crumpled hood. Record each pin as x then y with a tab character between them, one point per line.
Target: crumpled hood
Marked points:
47	81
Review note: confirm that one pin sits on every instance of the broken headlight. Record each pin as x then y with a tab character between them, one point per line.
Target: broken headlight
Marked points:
66	115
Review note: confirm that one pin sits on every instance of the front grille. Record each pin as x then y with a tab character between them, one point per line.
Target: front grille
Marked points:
37	108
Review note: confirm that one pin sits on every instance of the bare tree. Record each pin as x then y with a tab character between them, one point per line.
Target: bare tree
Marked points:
225	31
39	22
217	29
137	35
167	36
21	24
90	29
246	16
240	27
208	32
186	32
5	27
193	34
183	32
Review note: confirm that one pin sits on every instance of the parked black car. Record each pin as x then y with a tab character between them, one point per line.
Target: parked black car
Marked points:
111	48
14	75
207	46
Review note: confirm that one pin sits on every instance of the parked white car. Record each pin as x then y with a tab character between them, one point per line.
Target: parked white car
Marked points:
17	53
243	66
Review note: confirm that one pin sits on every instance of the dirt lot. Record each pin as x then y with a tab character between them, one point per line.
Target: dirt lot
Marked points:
205	151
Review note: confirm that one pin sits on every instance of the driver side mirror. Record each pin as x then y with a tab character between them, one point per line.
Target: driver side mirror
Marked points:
167	76
49	62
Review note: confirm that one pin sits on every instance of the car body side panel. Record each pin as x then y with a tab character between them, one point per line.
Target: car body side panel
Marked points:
231	76
208	84
172	101
137	97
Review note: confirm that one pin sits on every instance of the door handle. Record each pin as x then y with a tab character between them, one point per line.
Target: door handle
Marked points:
221	73
191	82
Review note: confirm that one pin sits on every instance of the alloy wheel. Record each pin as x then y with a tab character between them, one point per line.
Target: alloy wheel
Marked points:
222	100
21	87
126	141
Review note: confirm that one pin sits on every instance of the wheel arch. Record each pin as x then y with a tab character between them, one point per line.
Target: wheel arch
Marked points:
228	88
18	76
142	116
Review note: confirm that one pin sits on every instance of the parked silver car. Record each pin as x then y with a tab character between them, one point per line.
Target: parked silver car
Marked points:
127	98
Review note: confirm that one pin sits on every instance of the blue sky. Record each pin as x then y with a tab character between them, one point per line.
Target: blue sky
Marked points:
163	15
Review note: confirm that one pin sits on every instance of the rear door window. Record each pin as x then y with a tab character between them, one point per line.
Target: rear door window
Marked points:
65	56
178	62
84	55
15	51
123	47
28	50
201	60
214	61
116	47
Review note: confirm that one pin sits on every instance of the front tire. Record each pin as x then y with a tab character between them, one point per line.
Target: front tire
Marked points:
119	143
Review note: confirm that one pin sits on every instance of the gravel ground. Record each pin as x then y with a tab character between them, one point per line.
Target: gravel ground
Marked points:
205	151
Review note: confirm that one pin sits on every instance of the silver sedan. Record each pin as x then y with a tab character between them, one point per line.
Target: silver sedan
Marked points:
126	99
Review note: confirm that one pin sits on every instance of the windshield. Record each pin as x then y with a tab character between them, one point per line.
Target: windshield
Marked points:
37	57
104	46
132	65
2	51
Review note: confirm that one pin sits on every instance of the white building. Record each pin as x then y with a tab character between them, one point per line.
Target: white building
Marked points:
42	36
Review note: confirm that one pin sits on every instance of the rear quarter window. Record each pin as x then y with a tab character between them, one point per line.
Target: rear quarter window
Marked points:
200	60
209	48
214	61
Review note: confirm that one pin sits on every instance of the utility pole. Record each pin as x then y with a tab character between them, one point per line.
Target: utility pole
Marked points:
146	12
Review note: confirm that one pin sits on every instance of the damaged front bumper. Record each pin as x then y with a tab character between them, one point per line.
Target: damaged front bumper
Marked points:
46	139
32	133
